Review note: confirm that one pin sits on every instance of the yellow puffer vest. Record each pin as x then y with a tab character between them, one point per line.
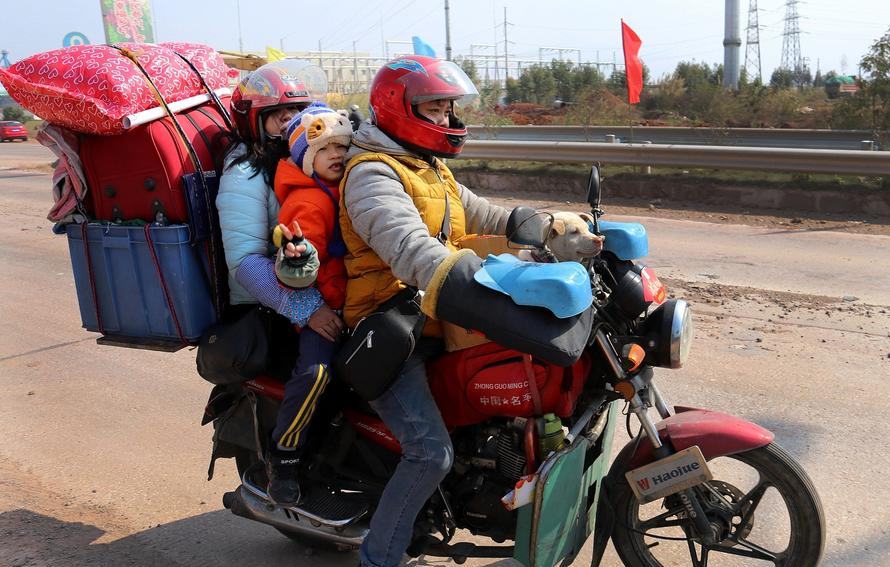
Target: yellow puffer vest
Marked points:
371	281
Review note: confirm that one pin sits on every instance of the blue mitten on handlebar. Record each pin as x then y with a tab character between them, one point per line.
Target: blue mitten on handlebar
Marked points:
562	287
457	298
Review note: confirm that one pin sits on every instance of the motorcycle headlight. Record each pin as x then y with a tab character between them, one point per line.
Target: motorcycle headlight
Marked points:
669	332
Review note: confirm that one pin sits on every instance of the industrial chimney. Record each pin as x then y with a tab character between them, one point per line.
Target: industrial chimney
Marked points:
732	42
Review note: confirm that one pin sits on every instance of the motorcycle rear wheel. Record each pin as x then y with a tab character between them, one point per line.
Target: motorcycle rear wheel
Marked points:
748	533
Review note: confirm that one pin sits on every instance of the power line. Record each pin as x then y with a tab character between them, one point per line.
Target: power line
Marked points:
562	29
414	23
368	30
341	32
705	38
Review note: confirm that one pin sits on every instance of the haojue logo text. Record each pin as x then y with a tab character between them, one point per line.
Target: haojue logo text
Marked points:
644	483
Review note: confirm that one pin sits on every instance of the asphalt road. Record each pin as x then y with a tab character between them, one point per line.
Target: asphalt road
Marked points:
18	154
103	460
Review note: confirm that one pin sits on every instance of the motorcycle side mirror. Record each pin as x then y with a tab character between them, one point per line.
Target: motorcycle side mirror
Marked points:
593	188
527	227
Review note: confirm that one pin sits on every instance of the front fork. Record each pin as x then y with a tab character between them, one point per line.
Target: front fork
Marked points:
688	497
640	408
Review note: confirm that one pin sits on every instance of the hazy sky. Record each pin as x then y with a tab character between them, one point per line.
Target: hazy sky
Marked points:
834	33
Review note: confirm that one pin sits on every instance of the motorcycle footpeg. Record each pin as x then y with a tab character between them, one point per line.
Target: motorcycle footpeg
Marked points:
458	552
334	508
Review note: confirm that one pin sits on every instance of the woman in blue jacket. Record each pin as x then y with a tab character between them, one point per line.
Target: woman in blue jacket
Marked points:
262	105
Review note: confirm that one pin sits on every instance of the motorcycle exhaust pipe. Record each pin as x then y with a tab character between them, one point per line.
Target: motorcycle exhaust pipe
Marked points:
242	502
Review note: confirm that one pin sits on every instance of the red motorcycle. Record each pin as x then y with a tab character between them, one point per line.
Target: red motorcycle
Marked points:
532	444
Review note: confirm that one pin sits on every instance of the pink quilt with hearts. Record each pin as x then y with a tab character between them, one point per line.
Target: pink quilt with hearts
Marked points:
90	88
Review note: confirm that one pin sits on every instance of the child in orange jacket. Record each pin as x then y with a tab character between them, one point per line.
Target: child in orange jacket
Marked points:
307	186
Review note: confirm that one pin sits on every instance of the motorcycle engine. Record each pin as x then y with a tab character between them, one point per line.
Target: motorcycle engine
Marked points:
488	462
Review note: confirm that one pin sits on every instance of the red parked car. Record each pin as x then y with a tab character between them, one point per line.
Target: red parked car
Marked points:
12	130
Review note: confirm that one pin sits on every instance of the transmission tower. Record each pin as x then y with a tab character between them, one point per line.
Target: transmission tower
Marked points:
4	59
752	43
791	38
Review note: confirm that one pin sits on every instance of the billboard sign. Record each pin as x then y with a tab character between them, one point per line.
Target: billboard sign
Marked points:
127	20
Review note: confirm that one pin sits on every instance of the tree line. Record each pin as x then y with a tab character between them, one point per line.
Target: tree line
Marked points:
693	94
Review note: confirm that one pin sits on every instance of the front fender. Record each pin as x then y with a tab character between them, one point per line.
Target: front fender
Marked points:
716	434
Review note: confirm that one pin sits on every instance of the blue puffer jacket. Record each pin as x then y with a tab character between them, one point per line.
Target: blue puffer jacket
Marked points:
248	211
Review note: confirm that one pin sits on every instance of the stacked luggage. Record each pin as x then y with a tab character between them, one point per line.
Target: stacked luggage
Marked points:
143	234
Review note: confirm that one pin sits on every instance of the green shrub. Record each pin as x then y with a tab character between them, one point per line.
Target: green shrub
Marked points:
15	113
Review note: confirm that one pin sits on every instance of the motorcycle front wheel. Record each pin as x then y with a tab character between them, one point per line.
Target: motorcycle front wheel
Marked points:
761	504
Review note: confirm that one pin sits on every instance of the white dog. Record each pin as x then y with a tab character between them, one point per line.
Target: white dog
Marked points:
570	238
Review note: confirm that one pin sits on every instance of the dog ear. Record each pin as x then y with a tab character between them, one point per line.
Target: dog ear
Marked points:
557	227
586	216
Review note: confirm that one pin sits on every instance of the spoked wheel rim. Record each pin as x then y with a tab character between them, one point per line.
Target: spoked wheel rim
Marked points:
743	515
731	513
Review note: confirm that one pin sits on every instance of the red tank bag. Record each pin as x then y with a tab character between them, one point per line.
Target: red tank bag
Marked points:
476	383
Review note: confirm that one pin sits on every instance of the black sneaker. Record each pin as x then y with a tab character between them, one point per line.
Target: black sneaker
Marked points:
282	467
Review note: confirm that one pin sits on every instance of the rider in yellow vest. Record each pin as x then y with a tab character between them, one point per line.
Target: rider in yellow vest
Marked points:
395	197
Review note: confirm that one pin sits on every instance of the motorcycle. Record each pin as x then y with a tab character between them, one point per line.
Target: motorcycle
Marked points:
532	454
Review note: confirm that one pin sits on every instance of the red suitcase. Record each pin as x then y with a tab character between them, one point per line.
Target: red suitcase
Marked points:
138	175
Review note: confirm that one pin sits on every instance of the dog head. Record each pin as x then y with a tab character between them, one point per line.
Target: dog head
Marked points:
570	238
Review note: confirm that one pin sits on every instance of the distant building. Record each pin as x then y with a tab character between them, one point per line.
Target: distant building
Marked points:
347	72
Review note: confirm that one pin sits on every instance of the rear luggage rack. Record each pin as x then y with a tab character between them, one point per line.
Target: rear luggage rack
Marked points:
140	343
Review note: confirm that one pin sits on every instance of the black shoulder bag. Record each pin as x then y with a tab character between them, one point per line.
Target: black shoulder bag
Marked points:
371	358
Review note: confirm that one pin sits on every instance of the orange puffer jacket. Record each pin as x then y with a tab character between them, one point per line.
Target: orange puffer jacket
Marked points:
304	200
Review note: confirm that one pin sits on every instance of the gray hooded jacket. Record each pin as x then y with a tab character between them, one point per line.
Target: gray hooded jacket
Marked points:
385	217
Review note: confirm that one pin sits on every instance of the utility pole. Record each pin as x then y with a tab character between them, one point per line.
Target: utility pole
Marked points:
240	40
383	41
154	23
448	32
282	38
494	21
354	69
506	61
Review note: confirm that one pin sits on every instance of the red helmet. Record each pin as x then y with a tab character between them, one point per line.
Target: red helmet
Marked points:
401	84
289	82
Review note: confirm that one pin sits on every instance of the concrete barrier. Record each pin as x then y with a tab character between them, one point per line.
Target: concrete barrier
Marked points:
668	189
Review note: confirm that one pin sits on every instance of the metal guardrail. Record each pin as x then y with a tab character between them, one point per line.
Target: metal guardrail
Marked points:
841	162
753	137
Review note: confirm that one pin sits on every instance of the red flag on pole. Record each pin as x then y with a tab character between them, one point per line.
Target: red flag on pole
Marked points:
632	65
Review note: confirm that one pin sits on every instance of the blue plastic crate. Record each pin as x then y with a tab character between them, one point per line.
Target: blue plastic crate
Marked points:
128	287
